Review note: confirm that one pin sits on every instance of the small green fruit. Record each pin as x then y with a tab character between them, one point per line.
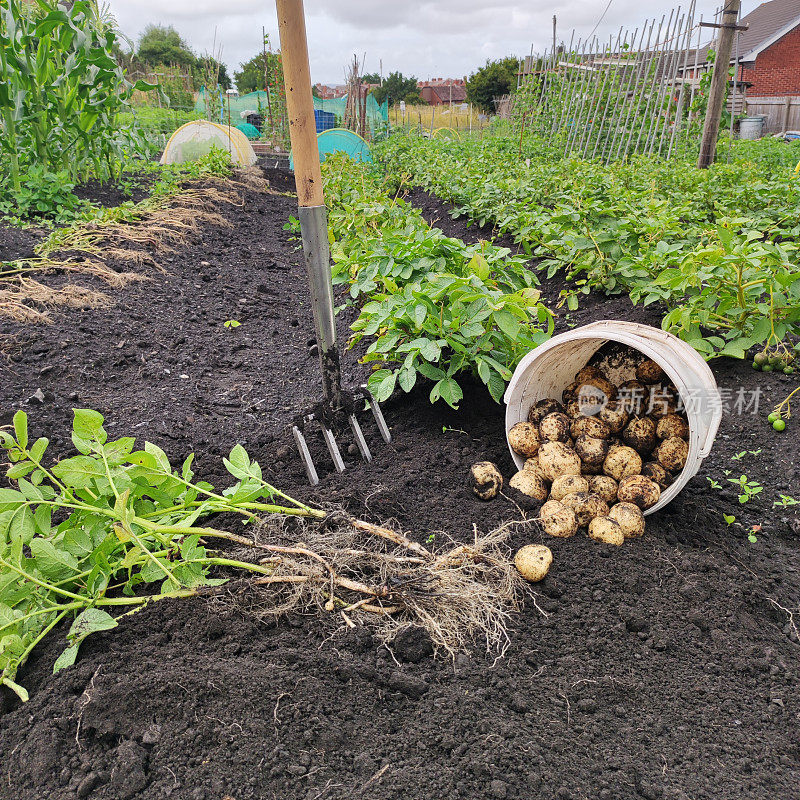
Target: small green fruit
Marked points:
773	417
761	359
767	368
788	370
776	361
779	424
756	366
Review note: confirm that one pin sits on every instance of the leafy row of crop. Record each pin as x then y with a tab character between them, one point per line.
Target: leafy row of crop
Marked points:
435	306
717	247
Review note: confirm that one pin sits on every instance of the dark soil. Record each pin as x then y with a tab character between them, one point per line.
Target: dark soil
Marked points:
656	670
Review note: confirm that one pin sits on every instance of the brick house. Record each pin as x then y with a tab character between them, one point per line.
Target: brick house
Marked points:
443	91
769	50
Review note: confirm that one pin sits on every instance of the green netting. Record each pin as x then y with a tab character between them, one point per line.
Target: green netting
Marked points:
250	131
256	103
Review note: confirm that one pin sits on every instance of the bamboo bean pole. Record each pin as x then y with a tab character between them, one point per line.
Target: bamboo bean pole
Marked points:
639	79
613	79
580	100
661	116
559	110
682	91
569	91
651	93
596	88
621	76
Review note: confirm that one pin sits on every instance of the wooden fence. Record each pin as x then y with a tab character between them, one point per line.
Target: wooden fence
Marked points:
782	113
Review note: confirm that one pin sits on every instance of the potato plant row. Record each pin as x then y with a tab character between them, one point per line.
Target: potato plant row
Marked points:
432	305
717	247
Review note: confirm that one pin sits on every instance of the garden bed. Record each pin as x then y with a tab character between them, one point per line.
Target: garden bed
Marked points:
664	668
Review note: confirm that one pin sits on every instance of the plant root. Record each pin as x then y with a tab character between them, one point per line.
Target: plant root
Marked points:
13	301
458	595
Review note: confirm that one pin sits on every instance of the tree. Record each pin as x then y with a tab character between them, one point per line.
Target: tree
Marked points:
396	87
371	77
250	77
494	79
162	44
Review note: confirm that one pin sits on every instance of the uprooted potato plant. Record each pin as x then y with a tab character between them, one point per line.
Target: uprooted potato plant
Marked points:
132	234
82	537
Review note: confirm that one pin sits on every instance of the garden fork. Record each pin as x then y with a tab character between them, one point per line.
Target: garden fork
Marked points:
336	404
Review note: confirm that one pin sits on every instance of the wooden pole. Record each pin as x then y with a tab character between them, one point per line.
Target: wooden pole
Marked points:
300	102
719	79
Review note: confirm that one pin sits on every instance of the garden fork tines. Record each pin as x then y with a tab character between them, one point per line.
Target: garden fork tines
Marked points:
336	404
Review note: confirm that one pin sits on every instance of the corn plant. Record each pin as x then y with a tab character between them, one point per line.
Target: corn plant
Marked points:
61	90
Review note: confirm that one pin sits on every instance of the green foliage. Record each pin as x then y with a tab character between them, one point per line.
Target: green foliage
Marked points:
397	87
86	533
253	73
42	194
162	44
432	305
61	91
716	247
493	79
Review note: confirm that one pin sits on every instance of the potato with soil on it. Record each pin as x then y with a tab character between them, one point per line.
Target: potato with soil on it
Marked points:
639	490
592	452
634	397
663	399
629	517
570	394
589	426
524	439
657	473
604	487
558	520
586	507
640	434
614	416
621	462
530	484
539	410
593	394
672	425
554	427
672	454
485	480
532	465
649	371
567	484
556	459
533	561
606	531
588	372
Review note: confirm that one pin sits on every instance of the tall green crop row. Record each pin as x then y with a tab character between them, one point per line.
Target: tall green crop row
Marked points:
61	91
432	305
718	247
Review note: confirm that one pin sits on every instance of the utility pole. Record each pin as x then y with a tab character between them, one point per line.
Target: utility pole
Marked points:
719	78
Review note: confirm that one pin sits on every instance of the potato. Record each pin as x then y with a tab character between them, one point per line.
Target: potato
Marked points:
556	459
524	439
533	561
606	530
532	465
558	520
485	480
554	427
634	396
567	484
672	454
591	451
539	410
663	399
604	487
657	473
589	426
639	490
574	410
590	372
530	484
622	461
640	434
593	394
570	393
586	507
672	425
629	517
614	415
648	371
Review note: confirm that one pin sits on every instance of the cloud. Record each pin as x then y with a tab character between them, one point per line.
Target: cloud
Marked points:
426	38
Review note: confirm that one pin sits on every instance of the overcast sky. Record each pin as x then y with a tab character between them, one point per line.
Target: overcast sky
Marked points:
438	38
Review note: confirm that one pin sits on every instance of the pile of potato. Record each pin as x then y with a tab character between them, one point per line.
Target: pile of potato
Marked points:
601	456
